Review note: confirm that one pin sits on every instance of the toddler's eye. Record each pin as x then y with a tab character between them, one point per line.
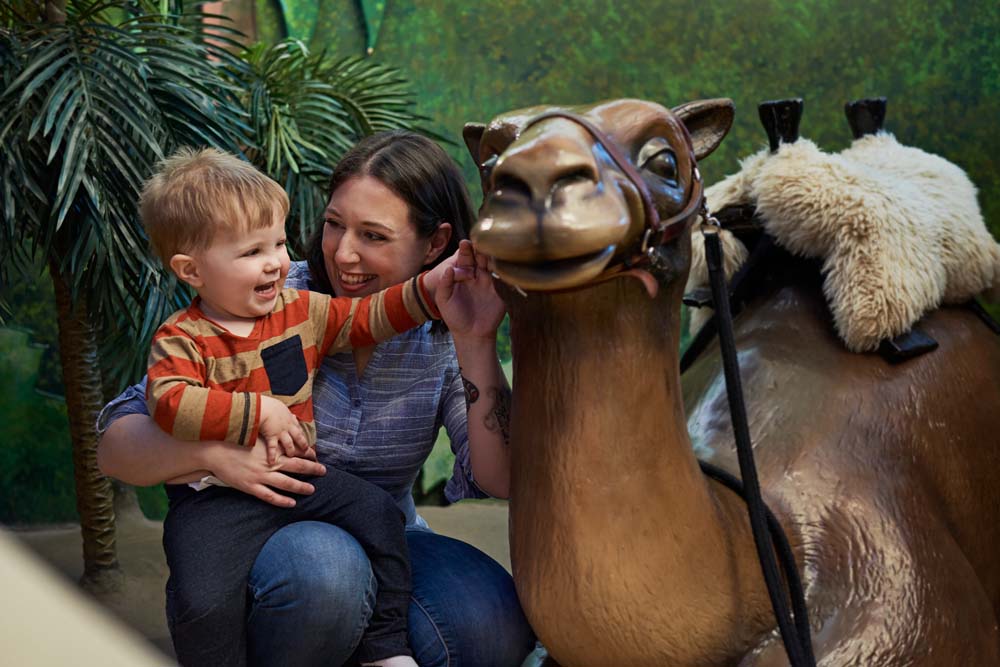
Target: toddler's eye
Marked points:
251	253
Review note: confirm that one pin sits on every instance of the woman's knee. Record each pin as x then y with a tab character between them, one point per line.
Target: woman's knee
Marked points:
312	595
315	567
465	609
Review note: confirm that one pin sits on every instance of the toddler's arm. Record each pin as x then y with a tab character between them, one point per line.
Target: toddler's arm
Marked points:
353	323
362	322
185	408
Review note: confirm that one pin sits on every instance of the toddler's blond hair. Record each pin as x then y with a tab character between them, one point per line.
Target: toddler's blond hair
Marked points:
196	193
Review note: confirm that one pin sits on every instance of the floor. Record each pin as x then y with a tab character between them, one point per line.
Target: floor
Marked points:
138	600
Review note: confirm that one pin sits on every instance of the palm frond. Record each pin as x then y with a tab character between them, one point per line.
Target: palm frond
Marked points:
306	111
90	105
88	108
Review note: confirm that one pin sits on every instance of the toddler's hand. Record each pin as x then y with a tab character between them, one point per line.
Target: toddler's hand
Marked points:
280	429
461	265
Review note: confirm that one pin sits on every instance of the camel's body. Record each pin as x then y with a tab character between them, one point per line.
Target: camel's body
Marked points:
886	478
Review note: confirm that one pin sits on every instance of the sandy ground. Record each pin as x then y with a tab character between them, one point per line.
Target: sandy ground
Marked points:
138	602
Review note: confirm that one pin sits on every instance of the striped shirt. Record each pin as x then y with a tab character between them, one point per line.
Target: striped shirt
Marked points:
206	383
381	426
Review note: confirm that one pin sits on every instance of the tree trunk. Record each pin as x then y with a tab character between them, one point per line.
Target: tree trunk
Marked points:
55	11
84	398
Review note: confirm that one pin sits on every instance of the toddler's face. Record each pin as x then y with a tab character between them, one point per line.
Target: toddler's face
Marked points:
242	272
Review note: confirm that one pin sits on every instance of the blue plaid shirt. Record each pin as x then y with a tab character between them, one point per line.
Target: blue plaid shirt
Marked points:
382	426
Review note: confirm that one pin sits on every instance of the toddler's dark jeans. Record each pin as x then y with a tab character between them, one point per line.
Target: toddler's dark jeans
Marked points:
212	538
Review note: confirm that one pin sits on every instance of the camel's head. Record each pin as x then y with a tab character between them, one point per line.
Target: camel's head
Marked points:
576	194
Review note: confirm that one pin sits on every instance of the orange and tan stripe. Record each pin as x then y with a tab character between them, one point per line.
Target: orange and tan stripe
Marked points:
342	323
293	309
365	317
190	414
376	317
236	367
417	301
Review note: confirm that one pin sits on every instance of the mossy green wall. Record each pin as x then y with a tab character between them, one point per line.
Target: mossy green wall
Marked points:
937	61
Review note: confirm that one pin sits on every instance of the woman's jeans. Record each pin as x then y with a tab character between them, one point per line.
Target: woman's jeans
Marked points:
312	592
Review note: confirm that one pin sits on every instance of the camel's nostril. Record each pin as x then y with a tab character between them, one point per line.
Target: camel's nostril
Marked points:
507	185
579	175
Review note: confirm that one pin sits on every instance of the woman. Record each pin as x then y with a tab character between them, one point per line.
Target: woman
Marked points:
397	206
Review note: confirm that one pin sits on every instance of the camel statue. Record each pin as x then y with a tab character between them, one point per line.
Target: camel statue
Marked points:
886	478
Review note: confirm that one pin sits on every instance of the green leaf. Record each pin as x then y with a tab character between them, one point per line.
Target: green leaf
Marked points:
41	56
69	112
72	173
42	78
60	91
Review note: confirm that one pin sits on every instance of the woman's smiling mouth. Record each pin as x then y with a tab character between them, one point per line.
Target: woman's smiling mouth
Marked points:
351	279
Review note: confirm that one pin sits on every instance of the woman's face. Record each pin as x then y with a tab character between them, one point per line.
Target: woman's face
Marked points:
369	243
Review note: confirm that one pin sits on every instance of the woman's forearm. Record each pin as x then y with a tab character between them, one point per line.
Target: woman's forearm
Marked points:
487	395
136	451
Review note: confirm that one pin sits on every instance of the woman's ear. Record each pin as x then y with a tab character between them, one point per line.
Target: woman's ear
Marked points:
439	241
185	267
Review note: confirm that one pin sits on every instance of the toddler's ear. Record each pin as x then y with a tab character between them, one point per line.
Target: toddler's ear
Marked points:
185	267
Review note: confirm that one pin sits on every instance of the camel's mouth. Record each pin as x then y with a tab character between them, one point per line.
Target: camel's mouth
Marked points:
555	274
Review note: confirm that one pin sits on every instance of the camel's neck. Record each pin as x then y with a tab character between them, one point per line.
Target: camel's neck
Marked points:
597	390
603	471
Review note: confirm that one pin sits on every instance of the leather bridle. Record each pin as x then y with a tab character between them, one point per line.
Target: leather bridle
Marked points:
645	253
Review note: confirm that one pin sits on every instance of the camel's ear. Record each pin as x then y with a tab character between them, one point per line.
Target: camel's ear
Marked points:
708	121
473	134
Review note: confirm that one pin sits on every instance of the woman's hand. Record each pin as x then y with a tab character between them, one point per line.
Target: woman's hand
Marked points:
465	296
248	471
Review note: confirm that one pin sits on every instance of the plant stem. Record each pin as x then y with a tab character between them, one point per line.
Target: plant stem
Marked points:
55	11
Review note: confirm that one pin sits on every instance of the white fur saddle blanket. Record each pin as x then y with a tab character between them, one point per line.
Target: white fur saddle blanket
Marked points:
898	230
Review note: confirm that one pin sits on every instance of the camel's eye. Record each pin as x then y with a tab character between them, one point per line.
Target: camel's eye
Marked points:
664	165
658	158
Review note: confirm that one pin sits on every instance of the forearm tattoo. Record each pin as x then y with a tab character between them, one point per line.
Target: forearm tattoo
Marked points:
471	391
498	419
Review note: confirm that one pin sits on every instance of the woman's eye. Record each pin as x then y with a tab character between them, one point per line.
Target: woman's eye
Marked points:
663	164
372	236
334	224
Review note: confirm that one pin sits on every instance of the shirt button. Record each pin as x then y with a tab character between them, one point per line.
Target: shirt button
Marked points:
357	402
349	442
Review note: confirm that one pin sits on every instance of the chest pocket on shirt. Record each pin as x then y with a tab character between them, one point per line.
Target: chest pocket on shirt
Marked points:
286	366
